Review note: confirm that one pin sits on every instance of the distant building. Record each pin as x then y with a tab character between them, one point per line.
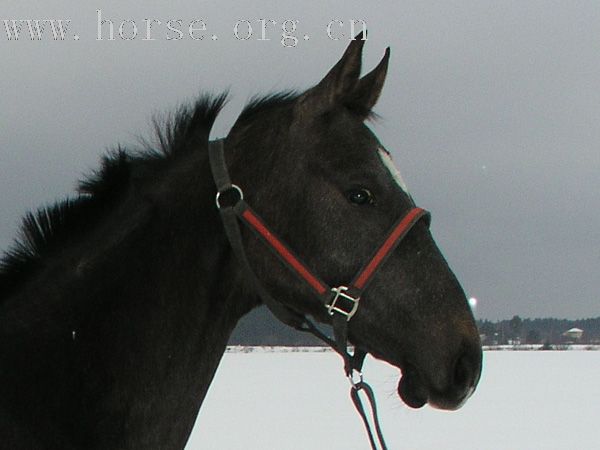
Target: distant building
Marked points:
573	334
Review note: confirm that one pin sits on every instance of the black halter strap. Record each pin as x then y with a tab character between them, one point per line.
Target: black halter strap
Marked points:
341	302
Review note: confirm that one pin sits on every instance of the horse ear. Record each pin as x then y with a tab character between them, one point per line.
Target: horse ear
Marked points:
367	91
339	82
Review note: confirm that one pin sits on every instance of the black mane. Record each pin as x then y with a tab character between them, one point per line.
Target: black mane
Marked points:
50	227
259	104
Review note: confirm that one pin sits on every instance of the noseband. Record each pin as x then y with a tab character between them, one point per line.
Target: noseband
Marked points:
341	301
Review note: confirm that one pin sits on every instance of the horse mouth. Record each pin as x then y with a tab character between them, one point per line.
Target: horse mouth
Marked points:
415	393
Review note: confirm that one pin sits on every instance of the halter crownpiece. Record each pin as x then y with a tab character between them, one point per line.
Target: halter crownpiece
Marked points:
341	302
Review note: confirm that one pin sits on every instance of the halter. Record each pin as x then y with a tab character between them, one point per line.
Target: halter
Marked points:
341	302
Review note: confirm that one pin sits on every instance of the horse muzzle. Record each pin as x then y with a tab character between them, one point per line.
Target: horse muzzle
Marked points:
444	389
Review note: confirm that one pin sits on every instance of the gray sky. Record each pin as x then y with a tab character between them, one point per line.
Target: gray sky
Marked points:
491	110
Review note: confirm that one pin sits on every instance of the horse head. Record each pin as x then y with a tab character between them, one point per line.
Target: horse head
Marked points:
319	176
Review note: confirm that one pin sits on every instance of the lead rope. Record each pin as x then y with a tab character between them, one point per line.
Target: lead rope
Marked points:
354	394
352	362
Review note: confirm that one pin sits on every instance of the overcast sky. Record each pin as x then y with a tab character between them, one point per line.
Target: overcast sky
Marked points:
491	110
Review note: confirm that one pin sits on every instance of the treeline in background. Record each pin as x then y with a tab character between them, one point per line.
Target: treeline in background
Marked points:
517	331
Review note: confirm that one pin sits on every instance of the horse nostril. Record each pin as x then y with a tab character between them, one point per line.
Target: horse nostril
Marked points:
451	387
467	368
462	372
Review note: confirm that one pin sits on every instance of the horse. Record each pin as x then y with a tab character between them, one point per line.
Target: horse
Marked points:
116	305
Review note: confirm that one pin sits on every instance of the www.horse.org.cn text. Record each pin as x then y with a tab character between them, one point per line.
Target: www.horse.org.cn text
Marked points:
285	32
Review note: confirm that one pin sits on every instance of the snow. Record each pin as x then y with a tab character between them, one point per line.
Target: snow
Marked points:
266	399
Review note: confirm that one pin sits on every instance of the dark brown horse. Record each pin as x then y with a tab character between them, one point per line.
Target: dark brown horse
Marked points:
116	306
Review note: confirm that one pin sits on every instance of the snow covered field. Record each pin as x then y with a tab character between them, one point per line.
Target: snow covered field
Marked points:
292	401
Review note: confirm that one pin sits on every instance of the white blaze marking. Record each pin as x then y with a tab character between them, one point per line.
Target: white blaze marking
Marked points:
387	162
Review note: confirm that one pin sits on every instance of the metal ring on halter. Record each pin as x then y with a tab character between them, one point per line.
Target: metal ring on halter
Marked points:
233	186
353	382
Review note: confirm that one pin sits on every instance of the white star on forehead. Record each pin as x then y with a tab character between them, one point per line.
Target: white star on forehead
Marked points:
386	158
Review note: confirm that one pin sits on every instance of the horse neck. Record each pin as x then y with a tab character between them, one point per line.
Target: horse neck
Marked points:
141	324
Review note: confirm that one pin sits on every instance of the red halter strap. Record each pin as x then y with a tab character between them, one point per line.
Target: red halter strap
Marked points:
257	225
342	299
399	230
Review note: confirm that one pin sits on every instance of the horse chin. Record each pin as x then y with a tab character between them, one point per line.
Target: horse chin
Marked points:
411	390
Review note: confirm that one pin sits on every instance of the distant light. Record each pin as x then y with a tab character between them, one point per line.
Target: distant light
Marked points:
472	302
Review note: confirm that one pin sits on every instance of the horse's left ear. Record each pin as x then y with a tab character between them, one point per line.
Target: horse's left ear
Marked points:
343	85
367	91
339	82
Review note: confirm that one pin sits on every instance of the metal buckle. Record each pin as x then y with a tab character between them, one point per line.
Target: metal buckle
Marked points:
234	187
356	383
349	301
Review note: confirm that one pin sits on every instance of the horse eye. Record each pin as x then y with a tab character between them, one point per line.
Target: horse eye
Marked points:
360	196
